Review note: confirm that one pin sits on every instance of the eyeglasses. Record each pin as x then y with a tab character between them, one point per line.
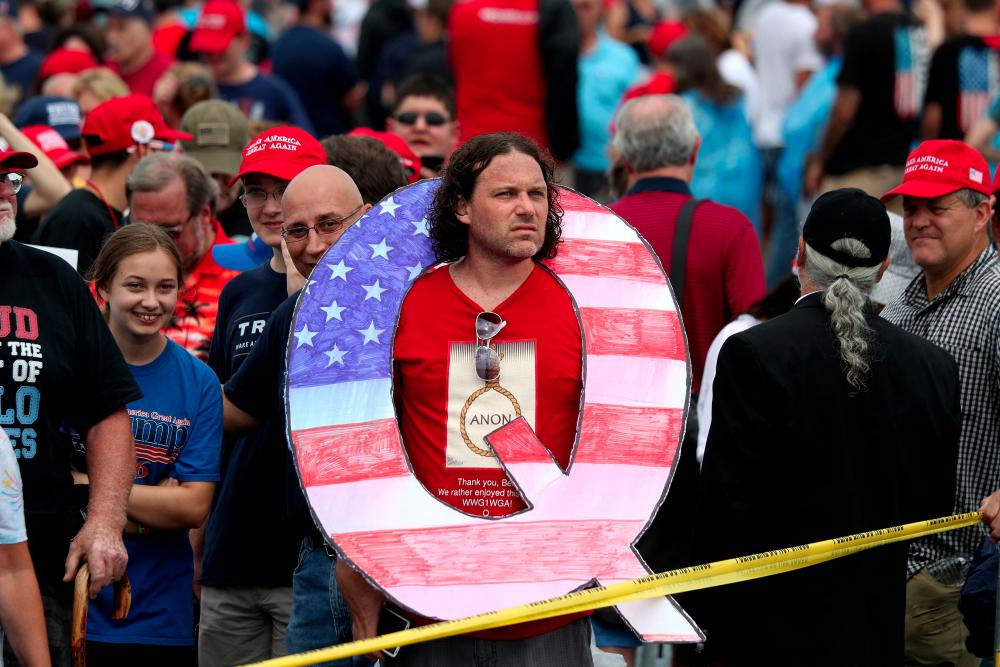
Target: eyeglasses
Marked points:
257	198
12	180
299	233
488	325
432	118
174	230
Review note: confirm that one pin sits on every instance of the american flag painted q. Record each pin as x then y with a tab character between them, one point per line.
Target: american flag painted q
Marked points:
582	523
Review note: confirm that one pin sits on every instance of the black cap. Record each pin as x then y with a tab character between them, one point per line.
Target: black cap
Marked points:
848	213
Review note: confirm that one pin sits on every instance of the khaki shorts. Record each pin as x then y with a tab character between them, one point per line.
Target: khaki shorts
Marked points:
935	633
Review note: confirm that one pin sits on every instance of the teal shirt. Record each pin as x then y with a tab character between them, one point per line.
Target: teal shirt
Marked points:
605	73
803	127
729	169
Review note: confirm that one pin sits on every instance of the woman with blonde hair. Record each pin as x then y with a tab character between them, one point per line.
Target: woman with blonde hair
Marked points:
95	86
180	88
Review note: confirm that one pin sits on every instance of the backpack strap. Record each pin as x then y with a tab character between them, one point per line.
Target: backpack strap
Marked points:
678	260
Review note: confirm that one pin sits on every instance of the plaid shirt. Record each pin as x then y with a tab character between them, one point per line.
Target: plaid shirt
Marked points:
964	320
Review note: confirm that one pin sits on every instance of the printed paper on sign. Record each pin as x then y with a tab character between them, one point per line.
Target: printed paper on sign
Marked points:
581	524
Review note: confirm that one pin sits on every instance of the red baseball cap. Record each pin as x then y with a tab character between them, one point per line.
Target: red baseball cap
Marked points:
939	167
54	146
220	21
663	35
395	143
15	160
123	122
65	61
996	181
282	152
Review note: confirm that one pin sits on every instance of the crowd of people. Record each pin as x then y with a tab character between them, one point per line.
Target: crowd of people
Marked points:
816	178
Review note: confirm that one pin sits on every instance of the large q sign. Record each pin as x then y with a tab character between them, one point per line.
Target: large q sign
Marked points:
581	523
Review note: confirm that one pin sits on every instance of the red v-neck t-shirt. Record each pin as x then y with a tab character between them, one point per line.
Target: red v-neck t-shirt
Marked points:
437	390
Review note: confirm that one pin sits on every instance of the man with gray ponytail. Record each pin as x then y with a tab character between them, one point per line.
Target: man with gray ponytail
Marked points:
827	421
955	303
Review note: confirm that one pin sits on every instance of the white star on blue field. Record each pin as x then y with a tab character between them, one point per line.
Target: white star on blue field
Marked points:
343	326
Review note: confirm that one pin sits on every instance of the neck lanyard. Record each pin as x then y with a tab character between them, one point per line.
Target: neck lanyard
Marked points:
100	195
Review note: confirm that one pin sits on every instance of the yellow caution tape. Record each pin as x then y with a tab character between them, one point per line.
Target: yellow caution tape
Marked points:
685	579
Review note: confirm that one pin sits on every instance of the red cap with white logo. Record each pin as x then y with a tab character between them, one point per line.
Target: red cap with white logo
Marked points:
282	152
123	122
219	22
941	166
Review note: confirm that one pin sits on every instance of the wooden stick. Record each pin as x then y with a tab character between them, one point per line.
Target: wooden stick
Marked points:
122	591
81	601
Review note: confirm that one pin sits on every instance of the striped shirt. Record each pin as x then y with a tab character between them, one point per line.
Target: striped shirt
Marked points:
964	320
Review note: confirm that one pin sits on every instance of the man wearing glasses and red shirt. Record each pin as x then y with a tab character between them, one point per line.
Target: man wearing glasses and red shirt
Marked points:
482	339
173	191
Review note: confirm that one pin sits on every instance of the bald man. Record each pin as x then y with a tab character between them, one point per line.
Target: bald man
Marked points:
317	207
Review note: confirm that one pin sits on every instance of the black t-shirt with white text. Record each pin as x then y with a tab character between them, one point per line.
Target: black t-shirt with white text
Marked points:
60	370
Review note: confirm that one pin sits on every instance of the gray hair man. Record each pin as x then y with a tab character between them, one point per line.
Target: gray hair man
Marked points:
173	191
64	372
716	271
807	417
954	302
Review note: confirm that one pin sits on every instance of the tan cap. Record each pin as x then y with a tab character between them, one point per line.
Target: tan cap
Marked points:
220	134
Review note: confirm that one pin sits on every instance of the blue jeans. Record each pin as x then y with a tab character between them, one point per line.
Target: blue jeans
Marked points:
319	613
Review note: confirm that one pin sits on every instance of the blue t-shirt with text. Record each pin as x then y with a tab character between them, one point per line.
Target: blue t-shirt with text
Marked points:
20	76
177	428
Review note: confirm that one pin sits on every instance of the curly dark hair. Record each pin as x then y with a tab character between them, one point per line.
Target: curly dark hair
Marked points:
450	236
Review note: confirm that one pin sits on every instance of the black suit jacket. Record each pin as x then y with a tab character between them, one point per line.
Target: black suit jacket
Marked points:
794	456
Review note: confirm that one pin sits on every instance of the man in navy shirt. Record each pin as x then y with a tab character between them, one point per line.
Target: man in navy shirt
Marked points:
322	202
221	37
246	602
319	615
318	69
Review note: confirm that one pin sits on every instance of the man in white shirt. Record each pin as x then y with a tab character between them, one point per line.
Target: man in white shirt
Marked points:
785	55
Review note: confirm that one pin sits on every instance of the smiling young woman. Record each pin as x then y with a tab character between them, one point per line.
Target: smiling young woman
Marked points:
177	427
